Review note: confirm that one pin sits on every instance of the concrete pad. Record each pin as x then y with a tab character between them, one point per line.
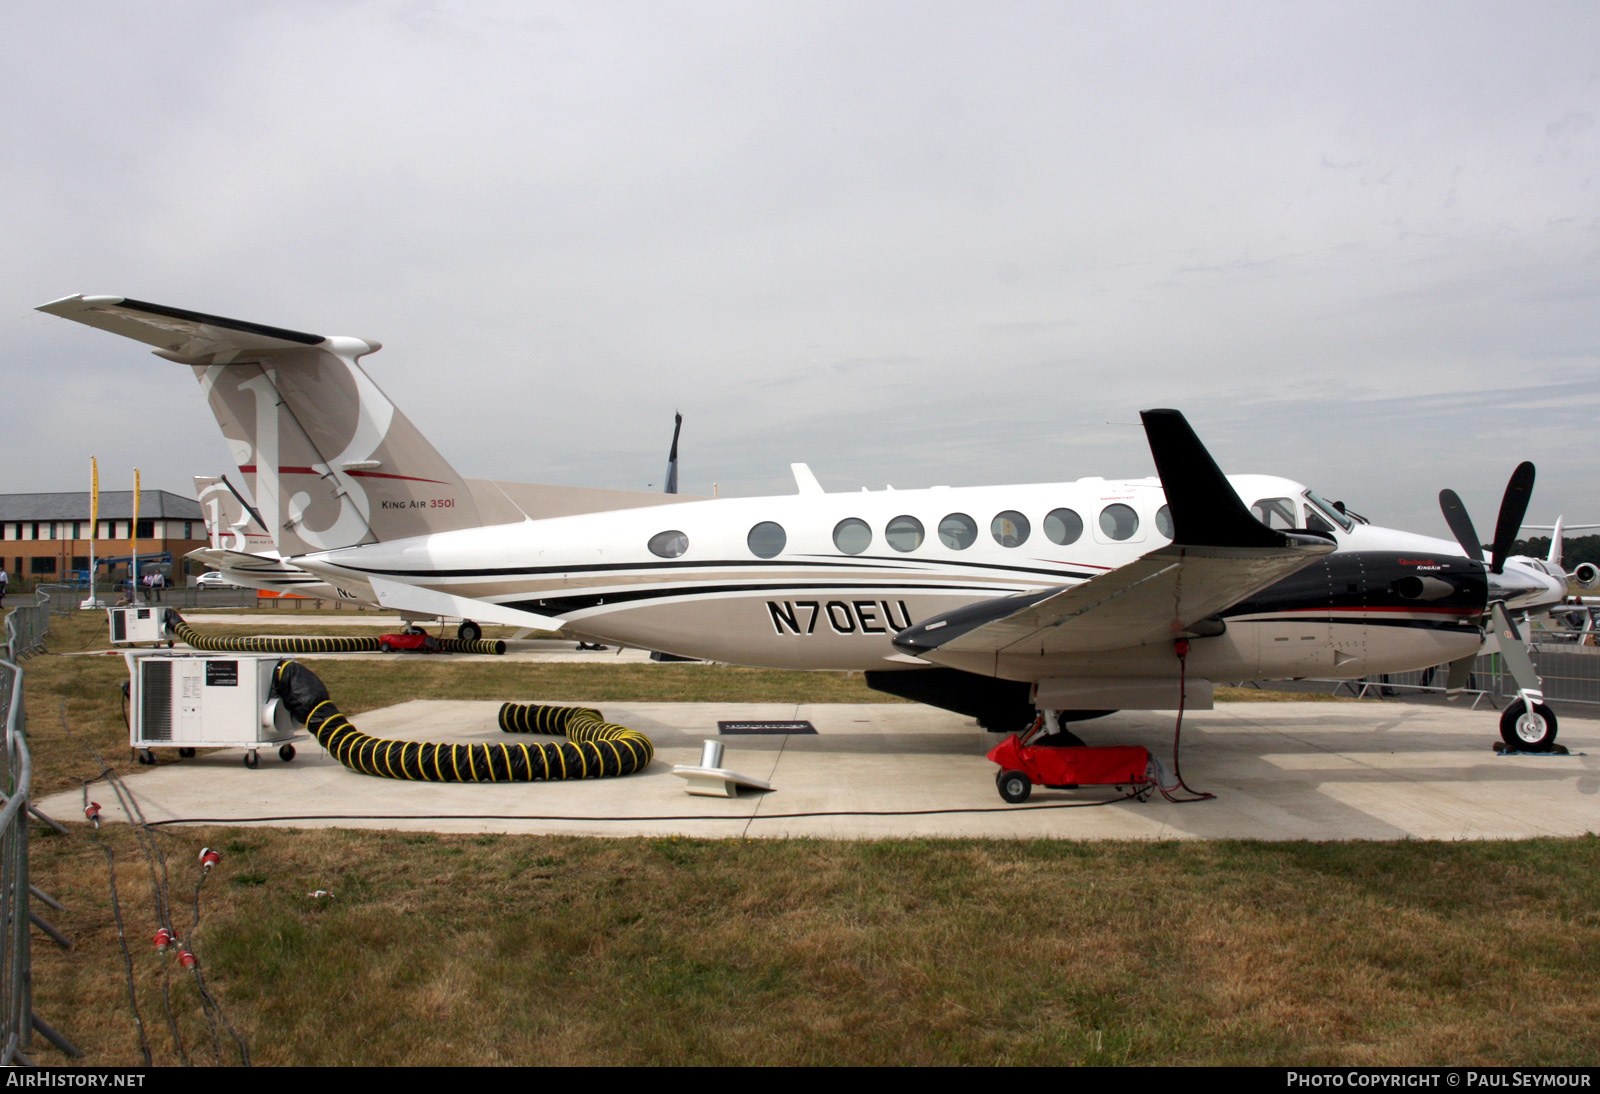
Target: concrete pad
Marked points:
1373	770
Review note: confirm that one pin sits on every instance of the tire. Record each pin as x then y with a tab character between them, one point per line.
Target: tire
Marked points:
286	753
469	631
1015	786
252	761
1525	732
385	647
186	753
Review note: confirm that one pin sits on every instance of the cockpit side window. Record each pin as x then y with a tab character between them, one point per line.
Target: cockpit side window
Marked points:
1329	511
1275	513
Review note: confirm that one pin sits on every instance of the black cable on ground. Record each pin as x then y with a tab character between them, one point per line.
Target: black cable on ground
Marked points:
208	1002
192	638
1181	648
594	748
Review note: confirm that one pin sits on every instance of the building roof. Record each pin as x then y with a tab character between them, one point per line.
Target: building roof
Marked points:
114	505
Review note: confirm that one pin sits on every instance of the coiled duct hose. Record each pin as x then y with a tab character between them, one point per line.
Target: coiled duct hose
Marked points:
195	640
594	748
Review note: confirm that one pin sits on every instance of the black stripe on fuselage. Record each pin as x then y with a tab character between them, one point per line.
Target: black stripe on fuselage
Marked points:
558	604
870	562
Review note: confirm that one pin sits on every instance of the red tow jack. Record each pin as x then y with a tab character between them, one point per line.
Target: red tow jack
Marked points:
1067	768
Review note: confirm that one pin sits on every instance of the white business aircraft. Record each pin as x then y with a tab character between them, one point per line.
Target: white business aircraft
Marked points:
1071	598
1585	575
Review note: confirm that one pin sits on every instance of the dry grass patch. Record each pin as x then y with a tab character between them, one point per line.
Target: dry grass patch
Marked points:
524	949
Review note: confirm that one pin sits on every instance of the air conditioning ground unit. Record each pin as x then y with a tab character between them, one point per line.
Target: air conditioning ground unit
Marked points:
138	626
190	701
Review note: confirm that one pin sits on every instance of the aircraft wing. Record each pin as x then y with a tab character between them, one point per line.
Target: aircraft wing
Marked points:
1166	594
1219	556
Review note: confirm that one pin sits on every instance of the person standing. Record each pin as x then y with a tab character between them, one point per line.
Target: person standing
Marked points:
5	579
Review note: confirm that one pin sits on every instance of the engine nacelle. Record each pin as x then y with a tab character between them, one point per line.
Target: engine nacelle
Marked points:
1587	575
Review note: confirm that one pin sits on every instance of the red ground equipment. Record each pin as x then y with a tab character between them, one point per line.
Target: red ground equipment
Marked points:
418	641
1022	765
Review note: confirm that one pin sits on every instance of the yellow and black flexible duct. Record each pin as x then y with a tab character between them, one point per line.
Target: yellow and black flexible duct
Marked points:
337	644
594	748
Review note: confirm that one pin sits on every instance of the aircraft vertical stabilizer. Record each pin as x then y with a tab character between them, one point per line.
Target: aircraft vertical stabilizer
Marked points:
330	461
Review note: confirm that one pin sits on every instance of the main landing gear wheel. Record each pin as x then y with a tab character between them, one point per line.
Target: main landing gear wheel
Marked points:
1528	731
1015	786
469	631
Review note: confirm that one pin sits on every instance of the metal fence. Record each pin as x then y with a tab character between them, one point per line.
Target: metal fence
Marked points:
1571	674
16	988
27	627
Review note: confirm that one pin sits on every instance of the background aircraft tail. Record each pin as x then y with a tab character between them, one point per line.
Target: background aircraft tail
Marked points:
232	524
329	460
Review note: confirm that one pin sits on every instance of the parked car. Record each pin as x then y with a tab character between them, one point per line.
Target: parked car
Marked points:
213	579
414	640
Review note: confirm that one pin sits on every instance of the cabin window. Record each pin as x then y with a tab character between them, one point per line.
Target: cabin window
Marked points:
852	536
766	539
1062	526
1010	529
1164	521
669	544
1119	521
958	531
1278	513
904	533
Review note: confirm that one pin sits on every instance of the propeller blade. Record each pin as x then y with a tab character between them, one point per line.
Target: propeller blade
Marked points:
1455	515
1519	491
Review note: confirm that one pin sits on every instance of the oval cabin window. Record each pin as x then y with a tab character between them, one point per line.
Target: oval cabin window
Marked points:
1010	529
669	544
904	533
958	531
766	539
852	536
1063	526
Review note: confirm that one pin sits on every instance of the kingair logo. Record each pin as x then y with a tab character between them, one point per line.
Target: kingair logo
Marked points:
1420	563
273	433
839	616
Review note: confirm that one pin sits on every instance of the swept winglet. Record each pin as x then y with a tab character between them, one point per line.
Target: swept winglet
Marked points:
1206	510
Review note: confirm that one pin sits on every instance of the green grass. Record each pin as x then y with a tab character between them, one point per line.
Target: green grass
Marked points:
482	949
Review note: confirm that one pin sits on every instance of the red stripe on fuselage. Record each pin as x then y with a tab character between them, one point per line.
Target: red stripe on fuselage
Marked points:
250	468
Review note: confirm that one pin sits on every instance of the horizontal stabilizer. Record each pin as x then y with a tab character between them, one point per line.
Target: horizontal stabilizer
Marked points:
330	461
411	598
173	330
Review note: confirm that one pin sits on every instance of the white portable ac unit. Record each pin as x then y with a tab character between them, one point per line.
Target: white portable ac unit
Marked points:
214	700
132	626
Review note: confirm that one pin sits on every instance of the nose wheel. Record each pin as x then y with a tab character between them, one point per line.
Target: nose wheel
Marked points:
1528	730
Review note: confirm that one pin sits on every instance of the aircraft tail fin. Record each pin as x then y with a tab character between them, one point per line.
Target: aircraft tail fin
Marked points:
330	461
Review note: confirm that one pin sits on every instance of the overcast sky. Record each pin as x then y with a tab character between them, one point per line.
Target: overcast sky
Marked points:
909	243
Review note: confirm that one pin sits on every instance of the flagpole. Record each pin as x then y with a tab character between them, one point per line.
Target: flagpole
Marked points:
94	527
133	541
